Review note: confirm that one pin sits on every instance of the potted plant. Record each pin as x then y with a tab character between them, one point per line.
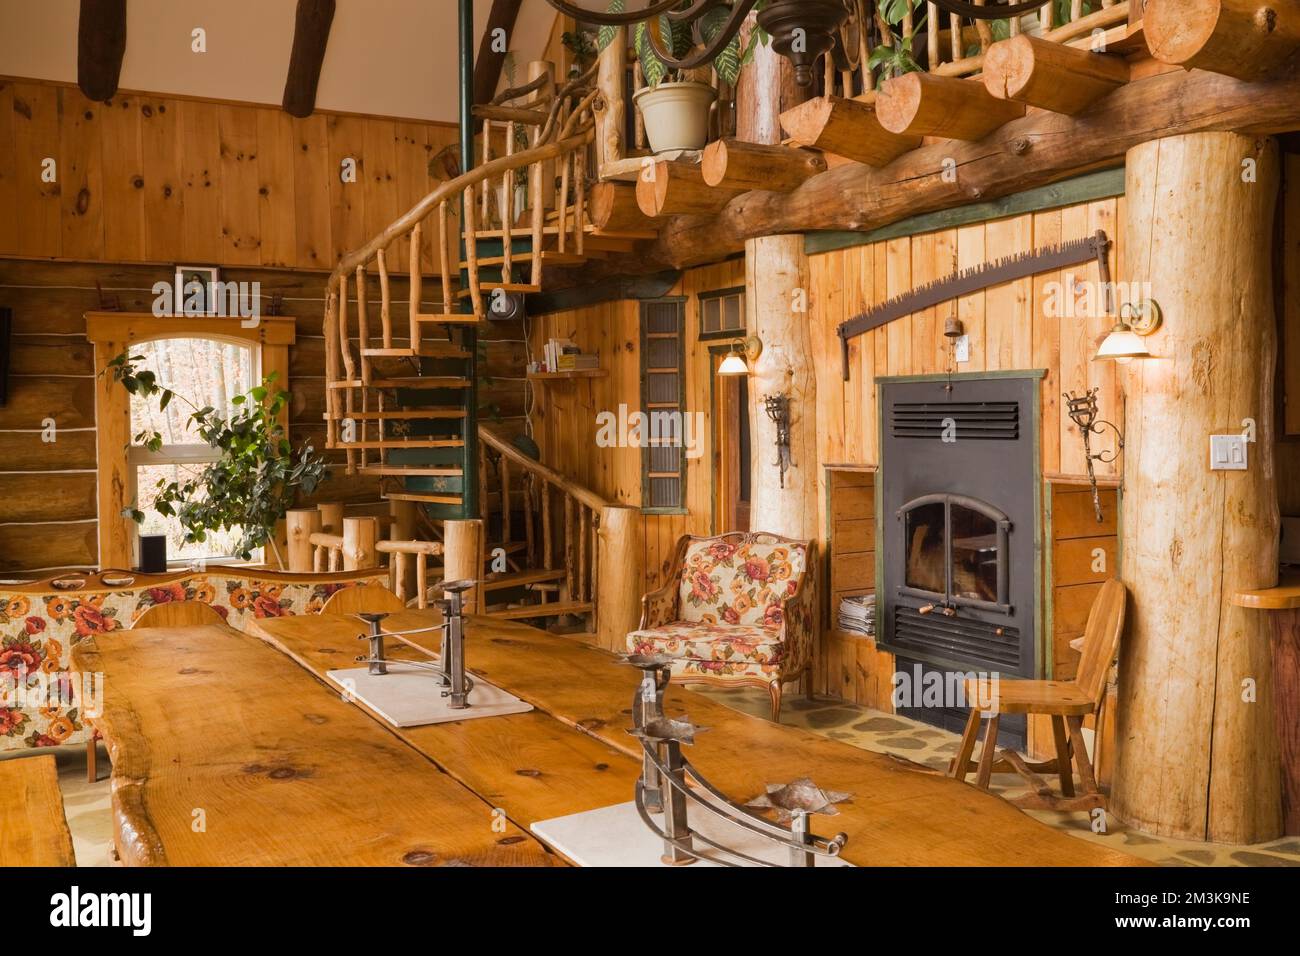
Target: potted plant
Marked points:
673	105
253	482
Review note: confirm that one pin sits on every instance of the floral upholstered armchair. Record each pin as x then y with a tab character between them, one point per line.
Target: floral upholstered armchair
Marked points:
737	609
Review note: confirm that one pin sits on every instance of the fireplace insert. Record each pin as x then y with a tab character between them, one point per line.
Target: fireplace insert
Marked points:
959	532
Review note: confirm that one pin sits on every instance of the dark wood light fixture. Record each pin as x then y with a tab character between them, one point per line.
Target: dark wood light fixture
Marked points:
801	30
101	43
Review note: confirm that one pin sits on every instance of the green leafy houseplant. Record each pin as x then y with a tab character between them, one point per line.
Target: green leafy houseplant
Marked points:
256	477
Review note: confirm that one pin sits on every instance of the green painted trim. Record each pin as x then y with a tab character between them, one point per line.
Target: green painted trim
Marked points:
1049	598
1044	640
1085	188
1038	373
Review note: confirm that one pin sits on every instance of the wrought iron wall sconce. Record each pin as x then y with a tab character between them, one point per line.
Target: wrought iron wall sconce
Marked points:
1083	412
663	789
778	410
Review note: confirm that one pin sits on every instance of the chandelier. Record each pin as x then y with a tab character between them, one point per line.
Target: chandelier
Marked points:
801	30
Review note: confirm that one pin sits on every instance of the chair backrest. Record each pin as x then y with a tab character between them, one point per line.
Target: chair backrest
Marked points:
1101	638
178	614
364	598
740	578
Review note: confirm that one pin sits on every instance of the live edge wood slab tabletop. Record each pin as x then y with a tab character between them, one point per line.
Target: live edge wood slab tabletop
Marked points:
227	753
573	752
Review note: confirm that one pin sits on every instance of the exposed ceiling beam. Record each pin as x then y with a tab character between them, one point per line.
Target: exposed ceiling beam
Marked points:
101	42
311	33
491	54
1036	150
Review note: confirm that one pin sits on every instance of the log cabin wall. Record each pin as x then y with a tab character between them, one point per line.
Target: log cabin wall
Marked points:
151	181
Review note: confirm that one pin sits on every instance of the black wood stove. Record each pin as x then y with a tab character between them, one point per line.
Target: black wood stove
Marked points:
959	520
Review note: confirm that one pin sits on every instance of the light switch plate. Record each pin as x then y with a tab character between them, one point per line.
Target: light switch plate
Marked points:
962	349
1227	452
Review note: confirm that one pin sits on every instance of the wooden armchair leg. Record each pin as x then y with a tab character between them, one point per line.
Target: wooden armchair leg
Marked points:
774	691
961	763
92	771
1063	767
986	754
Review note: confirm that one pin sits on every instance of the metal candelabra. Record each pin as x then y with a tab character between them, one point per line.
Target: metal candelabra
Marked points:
663	789
450	666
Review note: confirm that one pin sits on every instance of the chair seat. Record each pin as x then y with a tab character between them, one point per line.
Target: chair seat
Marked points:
701	641
1032	697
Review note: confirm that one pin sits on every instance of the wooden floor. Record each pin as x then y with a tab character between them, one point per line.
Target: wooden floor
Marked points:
226	753
535	766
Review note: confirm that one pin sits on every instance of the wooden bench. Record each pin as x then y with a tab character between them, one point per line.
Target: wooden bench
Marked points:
33	830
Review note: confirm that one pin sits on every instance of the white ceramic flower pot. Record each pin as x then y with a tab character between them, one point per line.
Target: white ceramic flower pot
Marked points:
676	115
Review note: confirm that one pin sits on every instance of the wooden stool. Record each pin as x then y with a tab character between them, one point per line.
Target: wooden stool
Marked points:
1067	702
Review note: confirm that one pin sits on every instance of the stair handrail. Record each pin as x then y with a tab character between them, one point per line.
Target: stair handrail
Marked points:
503	446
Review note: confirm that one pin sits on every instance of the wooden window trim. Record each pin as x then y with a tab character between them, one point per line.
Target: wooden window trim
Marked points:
113	332
649	407
720	334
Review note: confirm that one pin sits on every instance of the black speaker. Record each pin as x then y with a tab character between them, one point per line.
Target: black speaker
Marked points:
6	331
153	554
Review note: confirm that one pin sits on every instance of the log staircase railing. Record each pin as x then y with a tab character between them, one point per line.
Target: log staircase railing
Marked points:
561	522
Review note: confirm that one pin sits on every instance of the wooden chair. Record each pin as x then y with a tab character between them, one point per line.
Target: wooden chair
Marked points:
178	614
1068	702
364	598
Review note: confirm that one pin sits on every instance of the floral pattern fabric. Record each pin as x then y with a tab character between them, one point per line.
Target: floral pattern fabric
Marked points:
741	609
37	632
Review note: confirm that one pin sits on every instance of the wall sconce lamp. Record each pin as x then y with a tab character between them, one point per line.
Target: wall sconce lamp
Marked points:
736	361
1125	342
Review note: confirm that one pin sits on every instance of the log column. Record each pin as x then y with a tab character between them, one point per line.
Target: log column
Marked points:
621	577
300	525
1195	759
463	559
776	303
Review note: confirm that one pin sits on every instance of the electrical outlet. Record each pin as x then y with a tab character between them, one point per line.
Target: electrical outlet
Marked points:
961	349
1227	452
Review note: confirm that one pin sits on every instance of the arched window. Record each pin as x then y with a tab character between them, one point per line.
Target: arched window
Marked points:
207	372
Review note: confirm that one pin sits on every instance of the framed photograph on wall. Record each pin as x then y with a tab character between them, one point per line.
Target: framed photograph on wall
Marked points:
196	292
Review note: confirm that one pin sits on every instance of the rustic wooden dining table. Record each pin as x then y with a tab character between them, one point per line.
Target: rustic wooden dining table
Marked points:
572	753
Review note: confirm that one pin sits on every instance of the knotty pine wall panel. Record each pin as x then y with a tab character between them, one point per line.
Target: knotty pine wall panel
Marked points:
47	489
151	178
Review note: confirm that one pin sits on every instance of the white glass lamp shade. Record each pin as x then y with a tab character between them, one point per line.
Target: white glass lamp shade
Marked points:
733	364
1123	345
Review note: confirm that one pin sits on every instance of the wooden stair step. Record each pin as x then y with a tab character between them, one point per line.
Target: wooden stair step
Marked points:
401	414
412	471
549	257
430	350
423	498
507	579
554	609
502	286
395	443
415	381
451	318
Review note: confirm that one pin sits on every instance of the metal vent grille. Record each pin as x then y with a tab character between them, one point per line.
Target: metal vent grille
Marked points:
962	421
956	639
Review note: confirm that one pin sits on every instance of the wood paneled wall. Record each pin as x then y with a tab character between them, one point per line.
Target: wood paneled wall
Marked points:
150	178
47	490
564	412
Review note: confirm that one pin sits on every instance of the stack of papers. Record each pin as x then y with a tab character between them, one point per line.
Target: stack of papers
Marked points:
858	614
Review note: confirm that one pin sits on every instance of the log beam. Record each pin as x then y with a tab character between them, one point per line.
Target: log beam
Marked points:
1198	756
492	55
1051	76
101	43
674	188
614	208
922	104
1036	150
848	128
1247	39
732	164
311	33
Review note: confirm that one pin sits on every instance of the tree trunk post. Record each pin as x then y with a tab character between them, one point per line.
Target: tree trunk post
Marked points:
618	608
300	525
463	558
1197	751
359	537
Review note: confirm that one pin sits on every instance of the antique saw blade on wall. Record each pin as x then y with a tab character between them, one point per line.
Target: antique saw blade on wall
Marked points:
972	280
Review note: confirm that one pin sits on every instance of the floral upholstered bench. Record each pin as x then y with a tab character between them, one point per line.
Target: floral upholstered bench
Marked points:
737	609
39	623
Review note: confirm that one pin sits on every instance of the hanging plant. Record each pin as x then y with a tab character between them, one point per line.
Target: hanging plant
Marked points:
254	481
